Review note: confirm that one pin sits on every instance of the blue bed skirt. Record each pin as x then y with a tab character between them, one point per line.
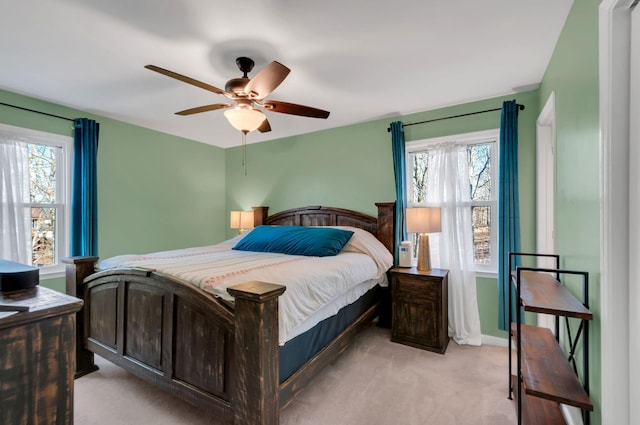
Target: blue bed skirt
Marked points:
300	349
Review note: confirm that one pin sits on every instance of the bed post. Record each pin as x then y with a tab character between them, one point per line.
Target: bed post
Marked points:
260	215
386	235
255	399
386	224
76	270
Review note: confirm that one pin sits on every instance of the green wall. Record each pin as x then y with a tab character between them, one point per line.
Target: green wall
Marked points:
573	75
155	191
351	167
347	167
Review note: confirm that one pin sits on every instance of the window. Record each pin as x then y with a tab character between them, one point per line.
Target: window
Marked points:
482	157
47	208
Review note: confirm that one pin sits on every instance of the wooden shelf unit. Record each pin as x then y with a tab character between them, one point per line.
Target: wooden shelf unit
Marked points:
545	375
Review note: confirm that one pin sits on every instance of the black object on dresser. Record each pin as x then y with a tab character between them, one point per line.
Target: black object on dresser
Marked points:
37	340
420	308
16	276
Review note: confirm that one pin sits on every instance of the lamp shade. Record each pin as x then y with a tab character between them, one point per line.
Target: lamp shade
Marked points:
241	220
244	119
423	220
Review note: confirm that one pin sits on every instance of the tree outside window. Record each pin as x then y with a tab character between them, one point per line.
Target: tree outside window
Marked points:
42	191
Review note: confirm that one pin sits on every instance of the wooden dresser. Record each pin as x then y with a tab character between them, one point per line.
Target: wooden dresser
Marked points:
37	357
419	304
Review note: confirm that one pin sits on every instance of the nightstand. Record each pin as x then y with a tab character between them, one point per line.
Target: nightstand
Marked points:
419	308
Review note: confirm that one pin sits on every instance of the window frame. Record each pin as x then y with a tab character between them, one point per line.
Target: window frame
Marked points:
63	190
472	138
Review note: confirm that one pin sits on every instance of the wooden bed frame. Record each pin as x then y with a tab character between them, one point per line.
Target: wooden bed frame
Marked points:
184	340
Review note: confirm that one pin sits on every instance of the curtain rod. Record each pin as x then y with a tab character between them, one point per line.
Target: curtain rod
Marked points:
520	107
37	112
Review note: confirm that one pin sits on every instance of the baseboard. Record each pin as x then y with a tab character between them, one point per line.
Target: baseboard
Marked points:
572	415
494	340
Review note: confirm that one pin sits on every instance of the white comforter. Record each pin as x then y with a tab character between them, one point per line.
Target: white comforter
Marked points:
317	287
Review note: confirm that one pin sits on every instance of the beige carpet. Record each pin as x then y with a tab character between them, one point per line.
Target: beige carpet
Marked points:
375	382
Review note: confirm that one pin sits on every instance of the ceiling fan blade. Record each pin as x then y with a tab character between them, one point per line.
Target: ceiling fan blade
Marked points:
188	80
265	126
204	108
294	109
266	81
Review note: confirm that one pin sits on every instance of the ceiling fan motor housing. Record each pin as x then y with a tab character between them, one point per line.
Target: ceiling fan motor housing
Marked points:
237	85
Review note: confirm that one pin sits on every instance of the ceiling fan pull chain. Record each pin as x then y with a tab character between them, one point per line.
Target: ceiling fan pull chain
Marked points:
244	151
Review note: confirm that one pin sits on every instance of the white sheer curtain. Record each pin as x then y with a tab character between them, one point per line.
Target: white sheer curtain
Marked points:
452	249
14	194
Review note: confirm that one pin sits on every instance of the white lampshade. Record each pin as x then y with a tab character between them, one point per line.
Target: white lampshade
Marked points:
423	220
241	220
244	119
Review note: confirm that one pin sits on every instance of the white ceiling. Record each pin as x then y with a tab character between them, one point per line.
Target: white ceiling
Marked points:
360	60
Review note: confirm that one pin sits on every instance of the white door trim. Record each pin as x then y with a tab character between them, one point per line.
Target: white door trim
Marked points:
634	211
614	43
546	192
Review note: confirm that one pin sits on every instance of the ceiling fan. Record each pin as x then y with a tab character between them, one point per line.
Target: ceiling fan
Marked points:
246	95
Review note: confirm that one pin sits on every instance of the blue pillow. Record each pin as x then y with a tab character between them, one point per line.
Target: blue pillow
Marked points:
295	240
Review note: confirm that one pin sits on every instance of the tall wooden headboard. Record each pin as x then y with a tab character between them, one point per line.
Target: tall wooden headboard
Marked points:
382	226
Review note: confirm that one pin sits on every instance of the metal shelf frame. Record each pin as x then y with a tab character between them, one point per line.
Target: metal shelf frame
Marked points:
582	331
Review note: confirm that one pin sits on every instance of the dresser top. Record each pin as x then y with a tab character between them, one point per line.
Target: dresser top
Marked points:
33	304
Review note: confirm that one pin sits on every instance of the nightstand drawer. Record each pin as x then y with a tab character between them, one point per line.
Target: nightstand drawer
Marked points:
411	287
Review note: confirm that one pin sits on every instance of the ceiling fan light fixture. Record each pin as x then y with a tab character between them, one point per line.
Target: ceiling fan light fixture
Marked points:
245	120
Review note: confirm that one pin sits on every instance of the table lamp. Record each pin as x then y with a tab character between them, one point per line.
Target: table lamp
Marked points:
241	220
423	220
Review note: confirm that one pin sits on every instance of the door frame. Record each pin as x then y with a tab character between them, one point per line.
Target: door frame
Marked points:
546	191
614	72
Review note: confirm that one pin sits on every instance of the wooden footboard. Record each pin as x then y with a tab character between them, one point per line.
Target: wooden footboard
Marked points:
184	340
